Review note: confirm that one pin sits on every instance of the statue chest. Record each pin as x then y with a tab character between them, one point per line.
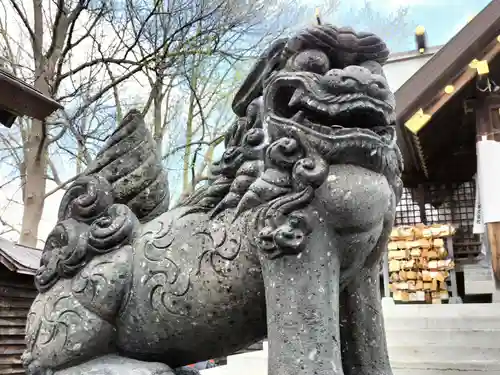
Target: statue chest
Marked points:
351	206
353	199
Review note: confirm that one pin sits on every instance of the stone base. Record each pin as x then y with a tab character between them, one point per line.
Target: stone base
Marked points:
495	297
388	302
116	365
455	300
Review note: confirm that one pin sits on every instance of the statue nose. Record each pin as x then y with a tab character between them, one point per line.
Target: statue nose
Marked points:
355	79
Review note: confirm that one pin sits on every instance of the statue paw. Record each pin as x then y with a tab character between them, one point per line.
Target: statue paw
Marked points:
35	368
186	370
115	365
287	238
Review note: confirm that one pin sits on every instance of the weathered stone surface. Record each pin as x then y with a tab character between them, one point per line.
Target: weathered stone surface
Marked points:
116	365
285	241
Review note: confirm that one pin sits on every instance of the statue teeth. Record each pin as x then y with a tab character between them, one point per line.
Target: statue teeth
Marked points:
327	130
323	107
333	109
296	97
321	129
299	117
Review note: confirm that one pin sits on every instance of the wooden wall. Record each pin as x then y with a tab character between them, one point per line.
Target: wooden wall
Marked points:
16	295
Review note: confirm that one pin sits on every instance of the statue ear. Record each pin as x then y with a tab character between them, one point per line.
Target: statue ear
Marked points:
252	86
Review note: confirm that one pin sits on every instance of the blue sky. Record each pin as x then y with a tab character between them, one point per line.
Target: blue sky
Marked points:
441	18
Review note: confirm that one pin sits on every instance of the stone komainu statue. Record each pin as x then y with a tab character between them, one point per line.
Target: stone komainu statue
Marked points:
285	241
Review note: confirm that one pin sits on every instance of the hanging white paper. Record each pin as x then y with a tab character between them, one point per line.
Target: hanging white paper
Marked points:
478	227
488	168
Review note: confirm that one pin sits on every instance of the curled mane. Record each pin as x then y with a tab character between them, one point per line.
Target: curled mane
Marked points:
342	45
277	176
238	168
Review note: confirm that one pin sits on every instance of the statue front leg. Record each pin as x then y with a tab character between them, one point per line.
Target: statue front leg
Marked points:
364	346
302	294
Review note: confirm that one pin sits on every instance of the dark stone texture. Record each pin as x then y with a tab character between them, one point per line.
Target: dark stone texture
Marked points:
116	365
285	241
185	370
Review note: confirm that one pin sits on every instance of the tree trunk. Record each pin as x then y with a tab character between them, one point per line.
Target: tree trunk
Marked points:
186	185
34	189
35	162
157	116
35	144
187	150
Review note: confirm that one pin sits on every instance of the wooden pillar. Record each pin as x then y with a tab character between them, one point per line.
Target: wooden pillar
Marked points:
488	128
421	203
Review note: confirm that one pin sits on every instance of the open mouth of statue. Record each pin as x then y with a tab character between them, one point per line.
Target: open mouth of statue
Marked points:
331	114
349	128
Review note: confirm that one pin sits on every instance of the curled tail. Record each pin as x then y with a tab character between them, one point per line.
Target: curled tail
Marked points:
130	162
101	211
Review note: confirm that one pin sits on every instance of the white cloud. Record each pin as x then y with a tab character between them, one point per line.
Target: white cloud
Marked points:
395	4
11	210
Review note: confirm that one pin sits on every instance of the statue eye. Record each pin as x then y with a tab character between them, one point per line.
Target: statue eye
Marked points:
313	61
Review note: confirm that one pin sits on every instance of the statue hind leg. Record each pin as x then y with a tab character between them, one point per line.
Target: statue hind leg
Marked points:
72	322
62	330
83	280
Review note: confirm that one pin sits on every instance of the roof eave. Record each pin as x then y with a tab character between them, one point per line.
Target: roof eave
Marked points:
452	57
22	99
435	74
411	55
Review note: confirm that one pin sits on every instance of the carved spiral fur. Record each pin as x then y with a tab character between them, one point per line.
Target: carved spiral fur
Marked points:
251	147
65	253
284	226
113	230
254	144
86	200
342	45
246	142
251	120
290	237
284	153
231	161
72	243
234	133
210	196
310	171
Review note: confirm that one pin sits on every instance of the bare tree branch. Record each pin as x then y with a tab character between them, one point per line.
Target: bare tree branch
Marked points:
215	141
24	20
62	185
